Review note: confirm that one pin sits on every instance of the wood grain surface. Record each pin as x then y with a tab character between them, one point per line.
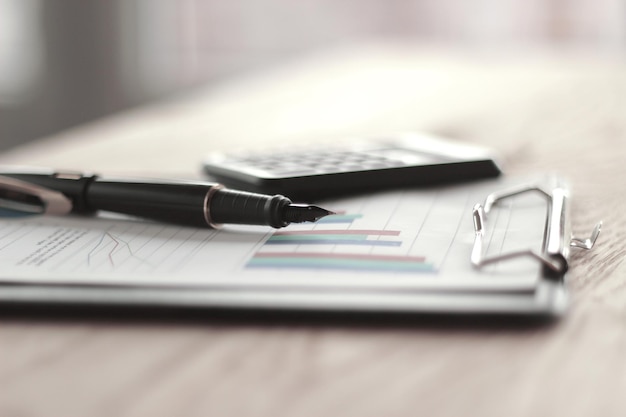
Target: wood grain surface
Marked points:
542	113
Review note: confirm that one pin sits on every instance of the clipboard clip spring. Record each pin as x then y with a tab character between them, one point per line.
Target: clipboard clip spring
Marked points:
557	235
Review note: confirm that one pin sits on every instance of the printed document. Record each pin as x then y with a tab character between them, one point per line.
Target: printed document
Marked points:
413	239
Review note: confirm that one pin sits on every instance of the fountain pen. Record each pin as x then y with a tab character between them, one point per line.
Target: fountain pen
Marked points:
192	203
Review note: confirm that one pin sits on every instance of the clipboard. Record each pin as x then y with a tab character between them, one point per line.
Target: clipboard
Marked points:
488	285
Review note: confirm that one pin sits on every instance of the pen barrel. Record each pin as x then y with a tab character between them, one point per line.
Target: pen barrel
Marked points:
171	202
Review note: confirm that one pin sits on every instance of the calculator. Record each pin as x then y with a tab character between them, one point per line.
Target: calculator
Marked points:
317	172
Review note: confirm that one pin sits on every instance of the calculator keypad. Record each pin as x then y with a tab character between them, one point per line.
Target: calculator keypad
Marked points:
319	162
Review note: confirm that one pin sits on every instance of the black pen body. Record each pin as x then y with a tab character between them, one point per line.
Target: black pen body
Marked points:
200	204
190	203
172	202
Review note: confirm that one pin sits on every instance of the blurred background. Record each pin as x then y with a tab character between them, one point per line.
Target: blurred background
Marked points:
65	62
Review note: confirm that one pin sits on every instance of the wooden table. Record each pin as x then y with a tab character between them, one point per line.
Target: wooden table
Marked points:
564	113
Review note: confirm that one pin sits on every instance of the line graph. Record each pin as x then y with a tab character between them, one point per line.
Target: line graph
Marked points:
87	249
135	248
109	244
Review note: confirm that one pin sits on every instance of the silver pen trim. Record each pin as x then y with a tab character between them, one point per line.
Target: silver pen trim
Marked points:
54	202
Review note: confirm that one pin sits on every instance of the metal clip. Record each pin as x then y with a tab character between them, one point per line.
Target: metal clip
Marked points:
557	237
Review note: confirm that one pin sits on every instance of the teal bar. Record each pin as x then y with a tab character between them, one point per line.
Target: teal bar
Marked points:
299	237
340	218
342	264
359	242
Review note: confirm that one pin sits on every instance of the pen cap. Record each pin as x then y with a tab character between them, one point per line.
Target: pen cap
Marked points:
167	201
198	204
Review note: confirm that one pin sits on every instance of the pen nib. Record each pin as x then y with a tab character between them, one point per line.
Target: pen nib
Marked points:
300	213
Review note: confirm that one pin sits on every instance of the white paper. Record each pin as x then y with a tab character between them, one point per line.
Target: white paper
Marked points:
416	239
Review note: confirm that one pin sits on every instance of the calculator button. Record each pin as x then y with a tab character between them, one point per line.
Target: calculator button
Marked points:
375	165
293	173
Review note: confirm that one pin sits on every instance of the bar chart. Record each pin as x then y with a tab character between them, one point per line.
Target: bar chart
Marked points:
364	238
